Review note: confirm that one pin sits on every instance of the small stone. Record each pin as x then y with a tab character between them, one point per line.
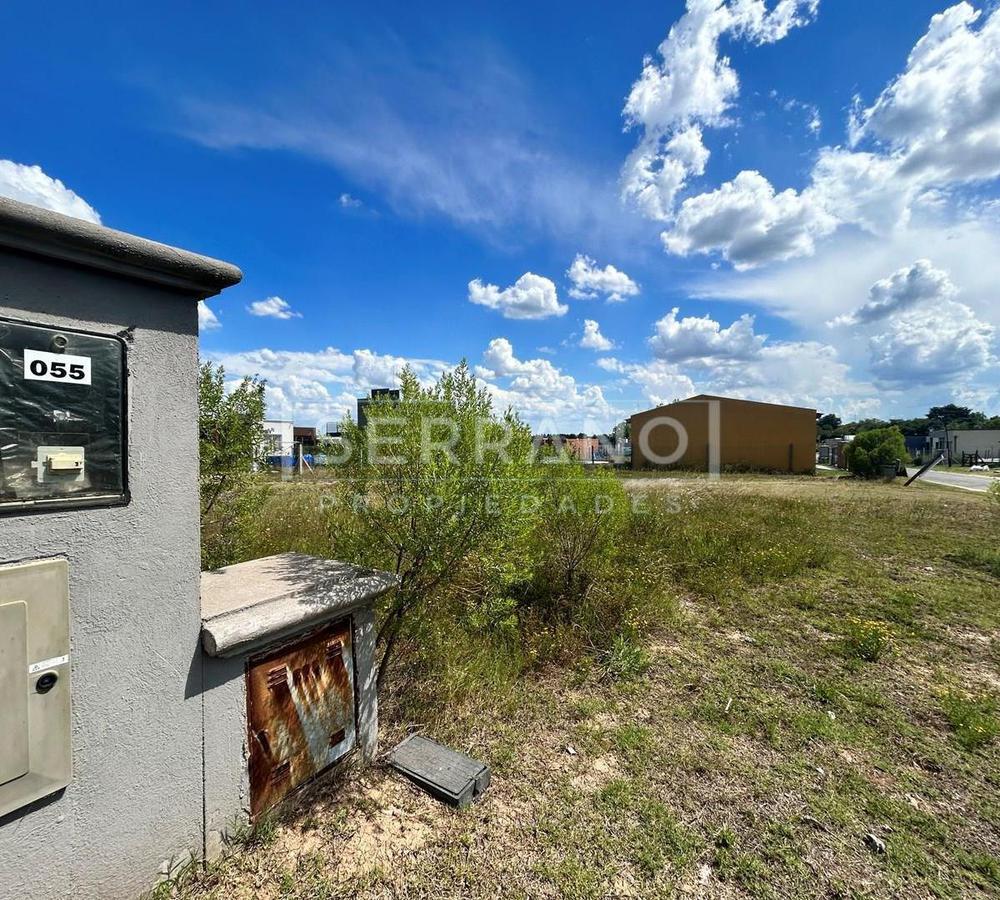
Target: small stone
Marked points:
570	749
874	843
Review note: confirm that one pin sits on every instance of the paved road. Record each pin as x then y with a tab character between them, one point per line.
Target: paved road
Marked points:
978	483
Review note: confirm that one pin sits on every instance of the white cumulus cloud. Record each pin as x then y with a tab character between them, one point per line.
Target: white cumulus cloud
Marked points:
932	344
29	184
207	319
749	223
933	128
589	281
660	382
942	114
702	338
902	290
593	339
543	394
273	308
690	86
530	297
316	387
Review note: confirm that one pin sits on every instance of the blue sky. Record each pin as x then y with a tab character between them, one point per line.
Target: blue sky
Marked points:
810	185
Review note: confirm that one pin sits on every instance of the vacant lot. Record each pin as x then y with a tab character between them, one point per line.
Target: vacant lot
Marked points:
818	718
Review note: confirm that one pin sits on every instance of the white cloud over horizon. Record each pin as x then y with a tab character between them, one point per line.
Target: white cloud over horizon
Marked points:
931	345
29	184
530	297
934	127
702	339
905	288
589	281
273	308
592	338
319	387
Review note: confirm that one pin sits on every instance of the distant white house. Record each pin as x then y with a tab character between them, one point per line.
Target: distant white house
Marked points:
279	437
965	443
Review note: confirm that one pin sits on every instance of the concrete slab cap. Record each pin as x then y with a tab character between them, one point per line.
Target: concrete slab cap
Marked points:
31	229
252	604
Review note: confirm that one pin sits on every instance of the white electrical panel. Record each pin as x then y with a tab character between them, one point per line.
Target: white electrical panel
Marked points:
35	749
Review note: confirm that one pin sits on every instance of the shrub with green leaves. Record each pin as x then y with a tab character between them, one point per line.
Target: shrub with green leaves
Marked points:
231	442
871	450
582	517
436	486
972	716
868	639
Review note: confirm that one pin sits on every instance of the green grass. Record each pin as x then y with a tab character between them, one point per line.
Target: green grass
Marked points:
825	670
985	558
973	717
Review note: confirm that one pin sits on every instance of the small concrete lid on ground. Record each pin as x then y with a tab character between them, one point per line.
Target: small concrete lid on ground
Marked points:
444	773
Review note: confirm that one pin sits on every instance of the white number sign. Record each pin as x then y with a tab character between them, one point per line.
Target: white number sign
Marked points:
42	366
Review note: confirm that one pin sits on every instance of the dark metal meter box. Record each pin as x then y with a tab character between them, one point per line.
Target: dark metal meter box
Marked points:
62	418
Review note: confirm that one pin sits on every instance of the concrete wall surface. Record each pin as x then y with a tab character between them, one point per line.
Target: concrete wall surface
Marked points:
753	435
135	798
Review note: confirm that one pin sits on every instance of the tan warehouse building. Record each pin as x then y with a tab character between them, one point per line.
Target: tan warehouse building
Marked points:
750	435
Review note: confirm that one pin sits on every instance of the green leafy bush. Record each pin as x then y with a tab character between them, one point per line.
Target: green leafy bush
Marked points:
434	490
231	439
581	518
871	450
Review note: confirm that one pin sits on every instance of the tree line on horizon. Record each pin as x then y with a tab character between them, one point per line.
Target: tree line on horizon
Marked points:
951	416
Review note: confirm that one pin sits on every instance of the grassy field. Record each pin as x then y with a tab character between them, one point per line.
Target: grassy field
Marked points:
816	717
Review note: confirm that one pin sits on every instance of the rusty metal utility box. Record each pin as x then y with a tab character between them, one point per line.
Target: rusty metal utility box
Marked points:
290	675
300	706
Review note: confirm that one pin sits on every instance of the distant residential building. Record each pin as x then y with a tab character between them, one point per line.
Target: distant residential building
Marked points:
917	445
279	437
833	451
305	437
585	448
376	394
966	444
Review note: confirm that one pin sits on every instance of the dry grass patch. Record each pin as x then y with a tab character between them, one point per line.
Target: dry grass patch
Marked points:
757	755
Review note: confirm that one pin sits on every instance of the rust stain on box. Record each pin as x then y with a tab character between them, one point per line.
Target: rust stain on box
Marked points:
300	705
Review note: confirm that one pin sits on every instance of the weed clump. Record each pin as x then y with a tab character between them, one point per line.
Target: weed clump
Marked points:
868	639
624	660
972	716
